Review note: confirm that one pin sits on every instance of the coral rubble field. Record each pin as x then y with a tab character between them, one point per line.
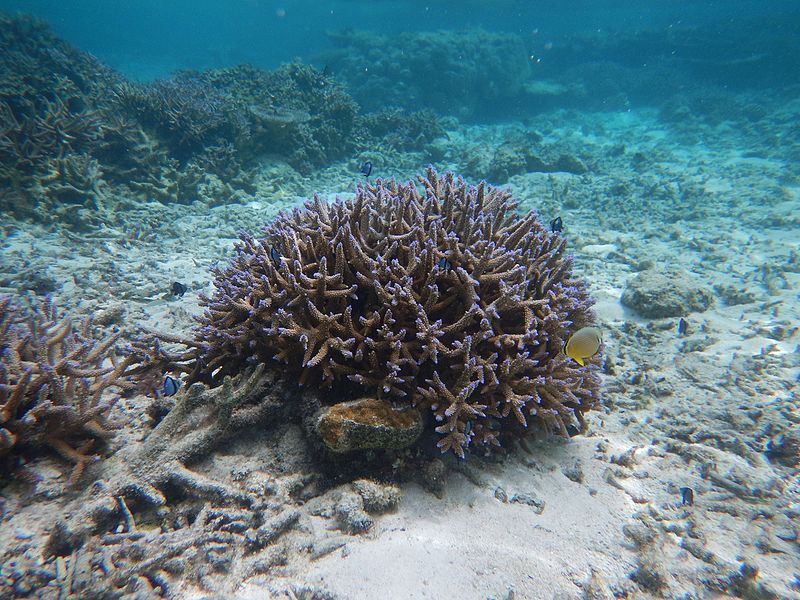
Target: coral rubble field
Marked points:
373	399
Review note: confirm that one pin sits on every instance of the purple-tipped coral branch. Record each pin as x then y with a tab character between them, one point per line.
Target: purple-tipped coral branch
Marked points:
442	297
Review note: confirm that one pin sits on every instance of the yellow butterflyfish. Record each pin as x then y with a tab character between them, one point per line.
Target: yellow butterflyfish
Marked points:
584	344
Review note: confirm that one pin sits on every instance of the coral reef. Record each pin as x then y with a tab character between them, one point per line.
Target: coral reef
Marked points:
295	112
43	160
34	61
519	153
186	113
52	102
309	118
468	74
448	301
54	382
401	130
75	137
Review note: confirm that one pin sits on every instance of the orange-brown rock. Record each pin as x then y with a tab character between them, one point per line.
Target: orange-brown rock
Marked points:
368	424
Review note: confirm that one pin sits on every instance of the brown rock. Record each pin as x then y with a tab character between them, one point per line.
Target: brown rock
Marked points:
368	424
659	294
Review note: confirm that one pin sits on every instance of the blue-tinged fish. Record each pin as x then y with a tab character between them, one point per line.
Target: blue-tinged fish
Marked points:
275	255
687	496
171	386
444	264
683	327
556	225
366	169
178	289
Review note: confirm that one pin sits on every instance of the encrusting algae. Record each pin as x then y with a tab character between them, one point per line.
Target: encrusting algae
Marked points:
369	423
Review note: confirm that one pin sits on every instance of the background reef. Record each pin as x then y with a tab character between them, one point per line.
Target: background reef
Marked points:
79	142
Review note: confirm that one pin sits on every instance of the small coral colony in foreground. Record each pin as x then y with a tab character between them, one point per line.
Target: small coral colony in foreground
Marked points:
54	382
436	299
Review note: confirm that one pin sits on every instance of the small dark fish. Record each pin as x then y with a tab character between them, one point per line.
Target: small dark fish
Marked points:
556	225
171	386
468	428
444	264
683	326
572	431
178	289
687	496
275	255
366	169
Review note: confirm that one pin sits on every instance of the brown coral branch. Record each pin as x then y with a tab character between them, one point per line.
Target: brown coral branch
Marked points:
54	387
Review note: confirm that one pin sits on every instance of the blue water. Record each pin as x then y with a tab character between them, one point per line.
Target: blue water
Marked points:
150	38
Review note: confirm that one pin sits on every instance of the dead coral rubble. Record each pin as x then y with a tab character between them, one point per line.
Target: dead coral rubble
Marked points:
215	547
213	531
54	382
447	300
199	422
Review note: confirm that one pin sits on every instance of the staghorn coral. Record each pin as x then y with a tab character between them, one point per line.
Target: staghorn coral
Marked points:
44	160
184	111
394	130
74	133
54	379
447	300
32	131
295	112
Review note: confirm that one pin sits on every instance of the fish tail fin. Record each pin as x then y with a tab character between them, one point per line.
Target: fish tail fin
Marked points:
579	361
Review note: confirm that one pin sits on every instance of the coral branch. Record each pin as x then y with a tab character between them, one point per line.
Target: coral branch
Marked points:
54	383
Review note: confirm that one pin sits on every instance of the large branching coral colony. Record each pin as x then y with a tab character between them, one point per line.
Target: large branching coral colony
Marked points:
446	300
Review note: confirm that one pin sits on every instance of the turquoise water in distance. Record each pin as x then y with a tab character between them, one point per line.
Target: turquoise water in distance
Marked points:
146	39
